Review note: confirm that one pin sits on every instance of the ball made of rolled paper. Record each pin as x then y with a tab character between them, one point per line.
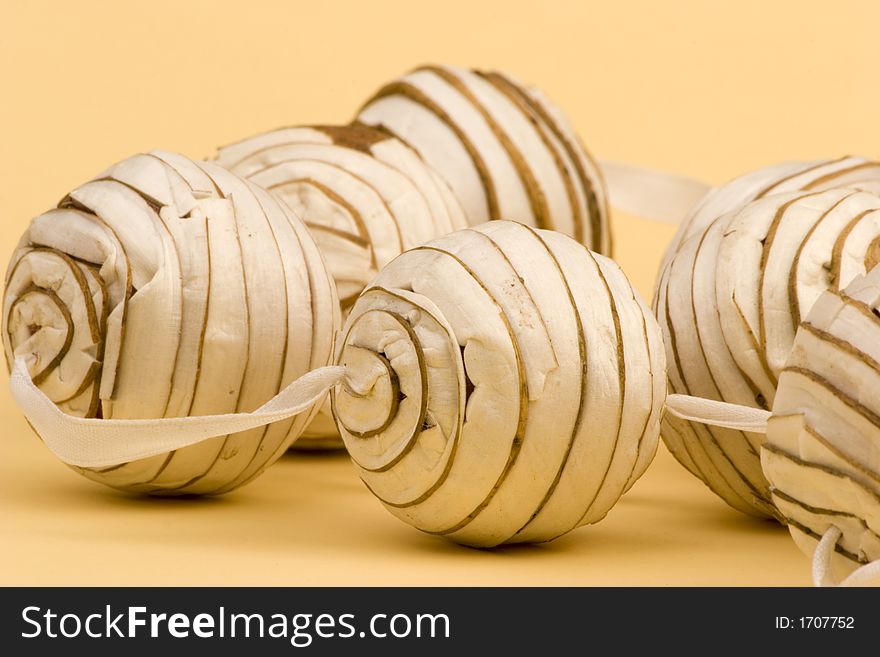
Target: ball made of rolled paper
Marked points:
170	288
365	197
363	193
822	455
504	384
732	293
506	151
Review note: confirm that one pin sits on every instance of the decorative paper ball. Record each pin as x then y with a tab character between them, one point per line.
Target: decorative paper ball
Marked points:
365	197
504	384
729	303
505	150
169	288
364	194
822	455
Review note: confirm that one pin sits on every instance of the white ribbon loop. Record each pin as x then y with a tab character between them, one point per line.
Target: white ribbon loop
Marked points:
867	575
717	413
96	443
651	194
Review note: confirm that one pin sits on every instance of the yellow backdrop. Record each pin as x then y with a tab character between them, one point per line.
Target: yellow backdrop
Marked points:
709	89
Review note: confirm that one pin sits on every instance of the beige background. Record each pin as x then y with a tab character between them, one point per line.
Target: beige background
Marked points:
709	89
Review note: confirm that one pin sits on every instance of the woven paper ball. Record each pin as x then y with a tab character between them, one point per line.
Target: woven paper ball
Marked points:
506	151
364	194
505	384
365	197
169	288
731	296
822	455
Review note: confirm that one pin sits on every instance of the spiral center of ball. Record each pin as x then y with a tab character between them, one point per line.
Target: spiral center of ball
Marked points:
370	394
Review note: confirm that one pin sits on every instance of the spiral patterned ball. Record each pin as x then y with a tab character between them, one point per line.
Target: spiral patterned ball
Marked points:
168	288
729	304
505	384
822	455
506	151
